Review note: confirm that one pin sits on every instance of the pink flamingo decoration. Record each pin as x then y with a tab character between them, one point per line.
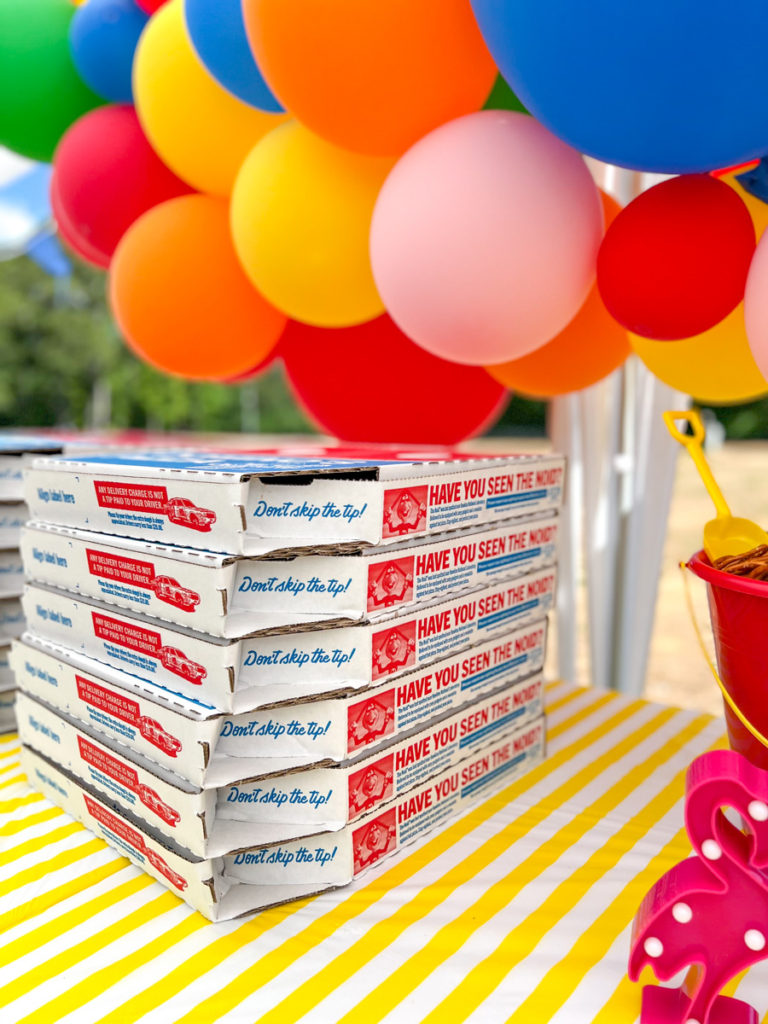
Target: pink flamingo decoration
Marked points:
710	912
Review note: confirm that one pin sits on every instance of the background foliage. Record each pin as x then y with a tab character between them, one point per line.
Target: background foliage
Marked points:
62	363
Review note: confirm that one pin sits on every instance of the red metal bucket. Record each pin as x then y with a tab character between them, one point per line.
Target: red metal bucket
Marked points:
738	609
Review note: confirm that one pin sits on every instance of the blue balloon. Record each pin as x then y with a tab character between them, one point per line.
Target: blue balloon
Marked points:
673	86
217	31
102	37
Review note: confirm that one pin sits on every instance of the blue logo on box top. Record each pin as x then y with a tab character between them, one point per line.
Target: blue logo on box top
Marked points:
219	463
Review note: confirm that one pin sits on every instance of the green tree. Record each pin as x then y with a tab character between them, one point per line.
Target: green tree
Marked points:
64	364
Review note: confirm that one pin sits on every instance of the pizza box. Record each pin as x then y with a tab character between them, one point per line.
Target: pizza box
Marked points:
17	452
7	675
11	573
204	745
269	807
11	619
254	504
229	596
13	517
272	667
7	710
228	887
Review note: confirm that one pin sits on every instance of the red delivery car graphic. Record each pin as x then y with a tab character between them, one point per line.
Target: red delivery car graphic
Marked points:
168	589
159	864
150	799
184	512
154	733
177	662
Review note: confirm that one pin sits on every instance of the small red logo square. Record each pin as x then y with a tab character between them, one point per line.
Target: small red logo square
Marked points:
390	583
373	840
405	511
394	649
370	785
370	720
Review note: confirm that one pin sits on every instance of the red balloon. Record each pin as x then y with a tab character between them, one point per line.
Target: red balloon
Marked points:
372	383
106	175
674	263
79	246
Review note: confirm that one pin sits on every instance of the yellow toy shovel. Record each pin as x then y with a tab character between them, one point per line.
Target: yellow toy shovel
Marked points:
726	535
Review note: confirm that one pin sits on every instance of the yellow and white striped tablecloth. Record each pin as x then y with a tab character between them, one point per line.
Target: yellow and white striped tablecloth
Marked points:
519	911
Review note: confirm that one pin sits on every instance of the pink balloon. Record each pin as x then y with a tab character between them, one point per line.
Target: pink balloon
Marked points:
756	306
485	236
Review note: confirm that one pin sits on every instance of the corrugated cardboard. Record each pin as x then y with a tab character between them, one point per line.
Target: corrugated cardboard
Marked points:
7	675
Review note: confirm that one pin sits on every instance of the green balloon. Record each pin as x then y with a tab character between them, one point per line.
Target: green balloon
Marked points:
41	93
502	98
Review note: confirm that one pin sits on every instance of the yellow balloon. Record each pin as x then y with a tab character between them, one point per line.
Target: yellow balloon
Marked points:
715	367
758	210
301	213
200	130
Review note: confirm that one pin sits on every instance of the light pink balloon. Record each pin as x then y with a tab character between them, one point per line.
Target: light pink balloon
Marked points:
756	306
485	236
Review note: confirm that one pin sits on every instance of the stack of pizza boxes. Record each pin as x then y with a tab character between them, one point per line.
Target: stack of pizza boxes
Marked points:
257	676
16	452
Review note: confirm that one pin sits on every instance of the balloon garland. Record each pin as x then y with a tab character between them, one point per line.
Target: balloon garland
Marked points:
401	183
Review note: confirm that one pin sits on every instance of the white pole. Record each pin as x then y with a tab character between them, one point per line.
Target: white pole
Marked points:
565	434
628	469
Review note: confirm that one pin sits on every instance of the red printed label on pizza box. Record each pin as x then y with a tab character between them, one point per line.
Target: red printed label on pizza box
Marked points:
154	500
122	831
149	642
405	511
139	573
371	785
120	706
390	583
125	775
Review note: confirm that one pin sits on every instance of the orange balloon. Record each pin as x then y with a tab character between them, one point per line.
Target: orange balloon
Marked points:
181	298
371	75
591	346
